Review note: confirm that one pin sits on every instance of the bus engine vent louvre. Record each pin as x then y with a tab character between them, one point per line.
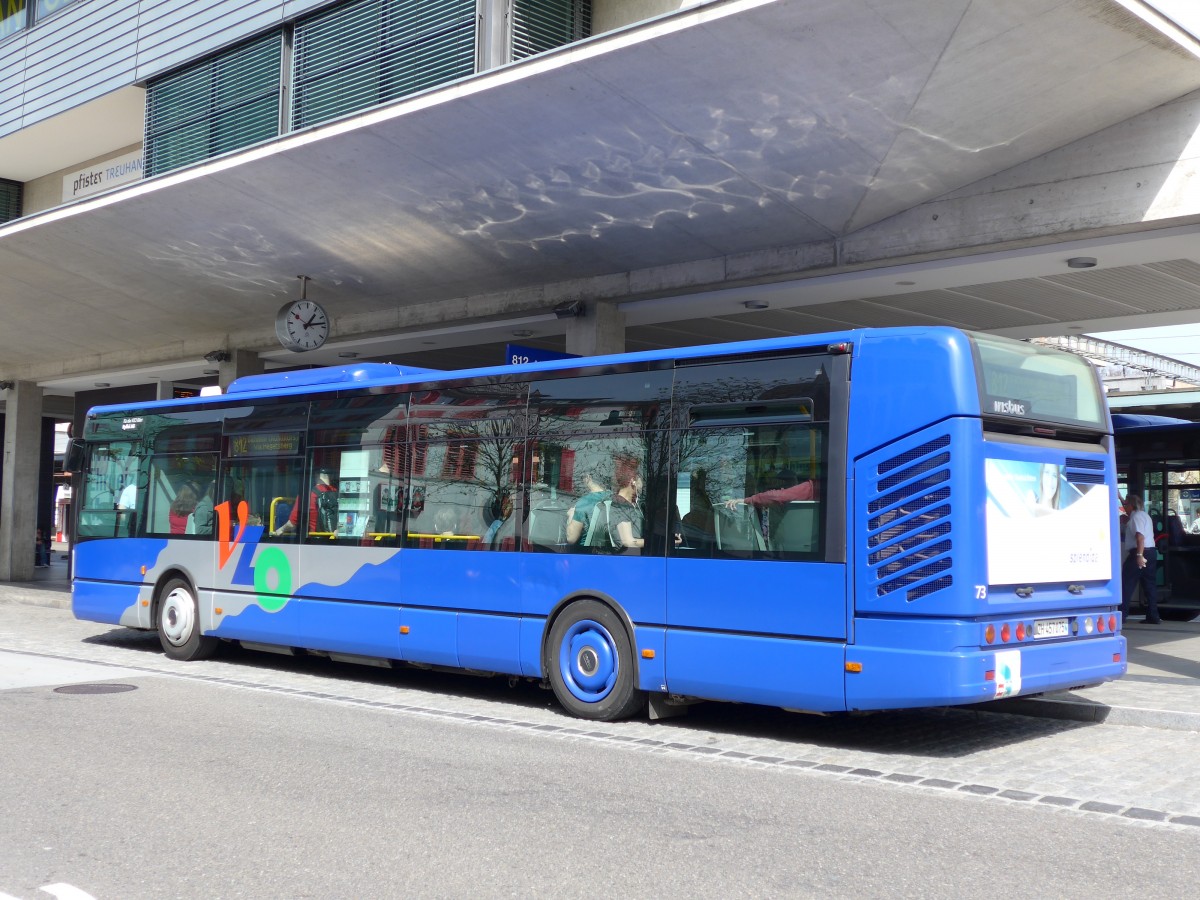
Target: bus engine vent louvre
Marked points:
909	530
1094	473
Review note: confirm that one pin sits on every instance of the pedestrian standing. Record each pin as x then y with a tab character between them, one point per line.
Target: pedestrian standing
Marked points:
1141	559
41	551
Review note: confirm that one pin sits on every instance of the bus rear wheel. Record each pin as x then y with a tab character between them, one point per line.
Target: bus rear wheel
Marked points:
179	623
589	658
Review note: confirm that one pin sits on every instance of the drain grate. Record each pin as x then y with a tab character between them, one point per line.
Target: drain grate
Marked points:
94	688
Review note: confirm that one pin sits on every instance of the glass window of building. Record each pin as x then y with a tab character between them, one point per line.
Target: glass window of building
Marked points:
223	103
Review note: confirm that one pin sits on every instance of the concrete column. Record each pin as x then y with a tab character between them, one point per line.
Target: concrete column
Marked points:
241	362
166	390
22	465
599	331
495	36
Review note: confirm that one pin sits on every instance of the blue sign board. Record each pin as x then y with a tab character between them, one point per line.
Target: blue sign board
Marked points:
517	355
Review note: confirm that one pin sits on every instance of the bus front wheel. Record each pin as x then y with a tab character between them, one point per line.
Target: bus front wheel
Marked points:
179	623
590	663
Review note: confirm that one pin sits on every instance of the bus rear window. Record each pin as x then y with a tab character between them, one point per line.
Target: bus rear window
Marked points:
1024	381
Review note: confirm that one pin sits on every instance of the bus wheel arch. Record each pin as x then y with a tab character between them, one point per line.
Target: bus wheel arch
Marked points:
177	619
588	657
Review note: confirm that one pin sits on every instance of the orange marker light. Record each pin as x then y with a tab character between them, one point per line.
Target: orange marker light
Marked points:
647	654
145	603
853	667
404	629
143	570
218	611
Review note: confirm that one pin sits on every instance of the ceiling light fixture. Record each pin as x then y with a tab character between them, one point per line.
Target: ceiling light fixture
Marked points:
348	354
103	384
212	371
1081	262
522	333
217	356
756	304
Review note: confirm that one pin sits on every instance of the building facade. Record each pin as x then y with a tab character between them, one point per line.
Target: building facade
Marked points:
576	175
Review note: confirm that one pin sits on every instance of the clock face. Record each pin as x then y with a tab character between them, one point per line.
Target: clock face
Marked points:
302	325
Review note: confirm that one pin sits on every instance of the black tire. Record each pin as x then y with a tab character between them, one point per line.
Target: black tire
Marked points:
177	616
589	659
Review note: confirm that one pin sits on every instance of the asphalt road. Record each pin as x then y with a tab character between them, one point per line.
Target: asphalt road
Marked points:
262	776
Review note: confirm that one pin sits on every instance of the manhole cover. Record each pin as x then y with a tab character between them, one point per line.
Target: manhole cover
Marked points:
94	688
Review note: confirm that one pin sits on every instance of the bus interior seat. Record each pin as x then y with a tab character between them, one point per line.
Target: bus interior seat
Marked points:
597	530
737	532
796	530
548	525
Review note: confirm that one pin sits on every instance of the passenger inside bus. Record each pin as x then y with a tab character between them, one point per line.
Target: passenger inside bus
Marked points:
579	515
624	514
322	507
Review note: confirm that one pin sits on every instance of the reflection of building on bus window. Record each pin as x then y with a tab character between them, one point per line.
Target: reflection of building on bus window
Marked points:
1049	488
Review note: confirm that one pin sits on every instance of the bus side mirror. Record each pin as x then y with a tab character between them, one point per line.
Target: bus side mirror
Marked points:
74	458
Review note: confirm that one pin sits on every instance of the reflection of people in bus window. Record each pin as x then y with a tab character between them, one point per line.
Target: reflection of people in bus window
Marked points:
1049	485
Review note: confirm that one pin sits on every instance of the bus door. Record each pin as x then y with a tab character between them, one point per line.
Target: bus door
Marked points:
257	564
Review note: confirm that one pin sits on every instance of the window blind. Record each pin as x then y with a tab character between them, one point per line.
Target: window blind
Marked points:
10	200
540	25
228	101
369	52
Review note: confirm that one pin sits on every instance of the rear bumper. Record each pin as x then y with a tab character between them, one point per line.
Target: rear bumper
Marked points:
892	679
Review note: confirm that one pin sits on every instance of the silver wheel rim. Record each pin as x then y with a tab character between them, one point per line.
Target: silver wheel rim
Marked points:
178	617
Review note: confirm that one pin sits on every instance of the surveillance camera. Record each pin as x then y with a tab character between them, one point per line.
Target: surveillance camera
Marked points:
572	309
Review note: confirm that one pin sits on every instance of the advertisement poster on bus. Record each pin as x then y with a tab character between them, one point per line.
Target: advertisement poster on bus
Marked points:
1043	528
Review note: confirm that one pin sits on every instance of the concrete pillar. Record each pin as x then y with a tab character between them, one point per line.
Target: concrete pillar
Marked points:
22	465
599	331
495	36
240	362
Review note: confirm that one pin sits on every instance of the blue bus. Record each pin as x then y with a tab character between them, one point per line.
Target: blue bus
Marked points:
1159	458
866	520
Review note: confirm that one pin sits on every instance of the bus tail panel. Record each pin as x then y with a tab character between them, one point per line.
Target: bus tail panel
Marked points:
894	672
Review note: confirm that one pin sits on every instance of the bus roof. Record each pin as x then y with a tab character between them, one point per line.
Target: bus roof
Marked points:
365	375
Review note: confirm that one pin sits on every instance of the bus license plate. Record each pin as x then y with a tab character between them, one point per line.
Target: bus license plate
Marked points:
1045	628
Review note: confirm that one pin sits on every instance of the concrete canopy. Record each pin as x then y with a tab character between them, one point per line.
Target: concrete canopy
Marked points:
848	162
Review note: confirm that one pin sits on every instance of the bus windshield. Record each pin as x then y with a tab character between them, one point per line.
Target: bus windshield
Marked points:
1024	381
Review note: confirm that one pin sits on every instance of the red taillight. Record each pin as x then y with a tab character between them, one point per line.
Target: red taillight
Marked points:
1020	631
1100	624
989	634
1005	633
1112	623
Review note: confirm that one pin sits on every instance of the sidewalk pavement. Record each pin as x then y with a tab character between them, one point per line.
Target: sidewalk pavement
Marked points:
1161	689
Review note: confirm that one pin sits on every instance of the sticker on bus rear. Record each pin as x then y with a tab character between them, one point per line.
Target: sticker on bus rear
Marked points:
1008	673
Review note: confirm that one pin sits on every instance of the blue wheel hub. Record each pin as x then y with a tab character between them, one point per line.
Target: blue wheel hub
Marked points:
587	661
